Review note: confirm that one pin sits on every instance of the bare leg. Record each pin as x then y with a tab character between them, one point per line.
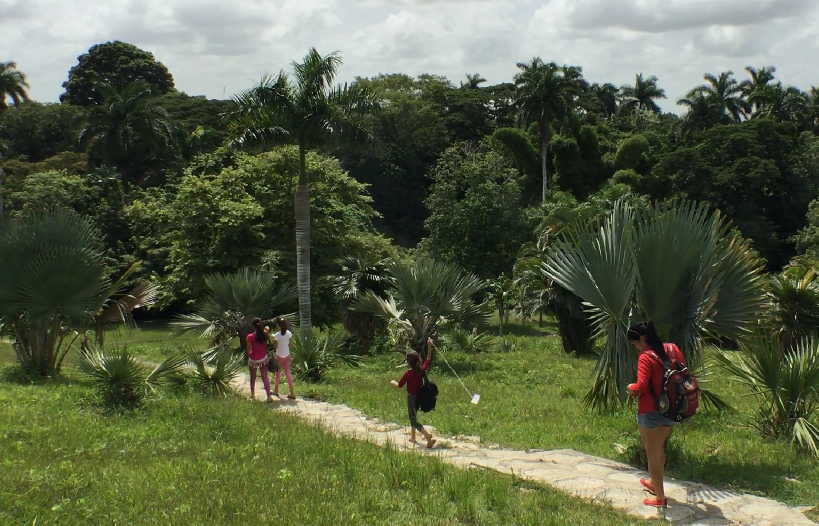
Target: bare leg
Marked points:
266	381
286	364
654	440
277	377
252	382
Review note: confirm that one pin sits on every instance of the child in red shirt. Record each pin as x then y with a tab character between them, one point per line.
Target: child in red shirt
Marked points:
414	379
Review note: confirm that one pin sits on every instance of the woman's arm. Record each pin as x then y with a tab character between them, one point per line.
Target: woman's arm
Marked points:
428	361
249	345
643	384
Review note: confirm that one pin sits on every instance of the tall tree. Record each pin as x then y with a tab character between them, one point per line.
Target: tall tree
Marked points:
473	81
129	131
13	85
115	64
307	111
642	94
544	95
723	93
757	89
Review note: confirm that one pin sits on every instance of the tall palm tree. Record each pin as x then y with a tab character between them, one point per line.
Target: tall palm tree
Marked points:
308	111
473	81
605	98
723	93
545	96
13	85
701	114
128	130
642	94
679	265
757	89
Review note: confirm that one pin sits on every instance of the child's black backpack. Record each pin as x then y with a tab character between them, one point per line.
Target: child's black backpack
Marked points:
428	395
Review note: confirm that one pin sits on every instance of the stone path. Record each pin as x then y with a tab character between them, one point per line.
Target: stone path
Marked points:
575	473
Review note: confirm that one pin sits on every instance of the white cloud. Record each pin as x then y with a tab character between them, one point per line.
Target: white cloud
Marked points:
216	48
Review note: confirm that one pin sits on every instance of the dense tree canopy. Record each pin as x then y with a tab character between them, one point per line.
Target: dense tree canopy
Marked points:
476	218
114	64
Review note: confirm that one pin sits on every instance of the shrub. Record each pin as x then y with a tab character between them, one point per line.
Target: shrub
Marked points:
214	372
468	341
315	353
787	384
122	379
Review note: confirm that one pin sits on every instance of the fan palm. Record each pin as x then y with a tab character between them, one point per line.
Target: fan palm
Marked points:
307	111
355	278
641	95
122	300
314	354
786	382
678	265
214	372
13	85
795	307
128	130
52	282
723	94
545	96
757	90
427	293
123	380
231	303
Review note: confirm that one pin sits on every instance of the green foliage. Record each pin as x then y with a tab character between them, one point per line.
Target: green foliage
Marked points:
201	120
678	265
641	96
427	294
632	154
807	240
235	210
476	217
787	384
794	302
114	65
315	353
355	278
13	85
231	303
122	379
35	131
753	172
579	163
468	341
518	146
52	282
129	131
213	374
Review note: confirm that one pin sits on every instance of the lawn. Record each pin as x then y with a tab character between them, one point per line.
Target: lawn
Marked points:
184	459
532	398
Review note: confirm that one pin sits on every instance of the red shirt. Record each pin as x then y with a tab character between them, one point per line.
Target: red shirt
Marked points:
258	350
414	379
650	376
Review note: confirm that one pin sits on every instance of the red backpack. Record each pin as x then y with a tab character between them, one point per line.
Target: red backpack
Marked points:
680	396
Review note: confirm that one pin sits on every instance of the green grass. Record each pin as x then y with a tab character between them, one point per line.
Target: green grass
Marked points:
186	460
533	398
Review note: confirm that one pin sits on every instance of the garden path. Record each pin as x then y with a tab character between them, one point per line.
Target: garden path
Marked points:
576	473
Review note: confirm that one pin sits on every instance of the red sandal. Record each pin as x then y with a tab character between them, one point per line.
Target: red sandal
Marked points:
657	503
648	486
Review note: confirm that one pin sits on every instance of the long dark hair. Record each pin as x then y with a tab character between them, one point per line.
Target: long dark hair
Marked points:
648	330
414	361
258	330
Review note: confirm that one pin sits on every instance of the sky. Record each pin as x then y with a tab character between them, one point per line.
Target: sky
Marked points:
217	48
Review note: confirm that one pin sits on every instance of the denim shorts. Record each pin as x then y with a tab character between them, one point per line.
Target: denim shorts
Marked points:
654	419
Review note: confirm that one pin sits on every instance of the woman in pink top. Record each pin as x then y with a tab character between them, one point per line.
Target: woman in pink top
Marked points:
257	357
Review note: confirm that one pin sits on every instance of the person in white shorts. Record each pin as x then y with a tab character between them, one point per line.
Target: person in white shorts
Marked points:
283	358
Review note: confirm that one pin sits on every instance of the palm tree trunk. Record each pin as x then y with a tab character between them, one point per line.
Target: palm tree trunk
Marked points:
302	209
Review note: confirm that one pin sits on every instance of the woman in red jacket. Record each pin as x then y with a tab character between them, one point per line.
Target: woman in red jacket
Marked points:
654	427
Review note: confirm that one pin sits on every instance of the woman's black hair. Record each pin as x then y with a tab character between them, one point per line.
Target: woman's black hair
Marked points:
648	330
261	336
